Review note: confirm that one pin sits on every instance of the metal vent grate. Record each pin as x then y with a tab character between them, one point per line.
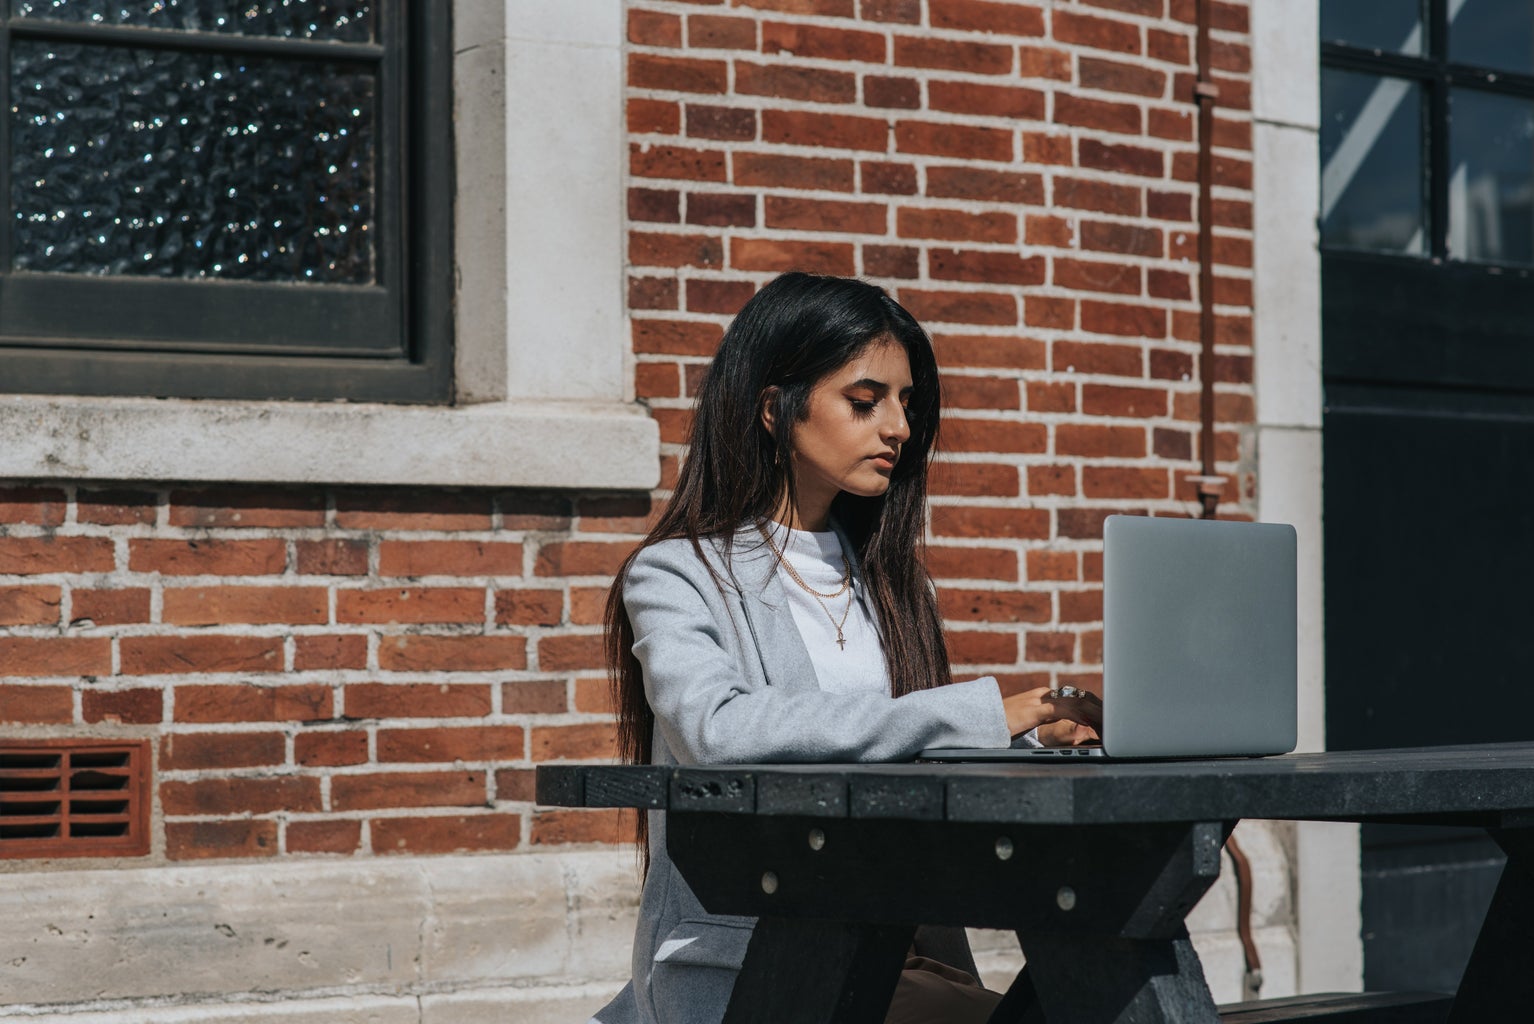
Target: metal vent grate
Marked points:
74	798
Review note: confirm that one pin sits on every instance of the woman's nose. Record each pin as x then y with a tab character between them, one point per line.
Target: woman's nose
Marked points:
897	430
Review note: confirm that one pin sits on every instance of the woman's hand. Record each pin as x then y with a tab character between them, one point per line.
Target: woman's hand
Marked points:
1061	721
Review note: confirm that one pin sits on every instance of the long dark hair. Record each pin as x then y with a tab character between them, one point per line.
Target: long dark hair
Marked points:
787	338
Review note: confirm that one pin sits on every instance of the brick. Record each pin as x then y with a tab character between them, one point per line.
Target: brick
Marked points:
674	425
244	702
1089	357
417	700
1103	156
200	751
619	513
1052	565
587	605
971	563
1096	33
1057	480
651	293
827	131
470	833
956	225
1121	319
443	745
30	606
116	507
894	261
411	605
108	607
1169	47
451	653
789	82
230	796
1087	524
960	307
1043	62
214	606
662	161
582	558
1169	205
585	742
457	788
533	697
962	142
335	556
766	254
1041	230
330	748
731	124
207	557
722	297
1113	400
1081	606
983	350
985	267
1172	444
323	836
661	117
974	479
986	100
712	209
771	170
953	55
529	607
994	605
144	706
203	840
1050	647
820	215
1125	239
1051	396
594	697
55	656
881	178
655	205
1047	148
36	705
1144	8
1096	276
1170	284
905	12
650	28
248	507
985	185
712	32
1049	311
28	556
568	825
1103	115
990	523
677	74
571	653
990	393
979	16
1124	482
666	250
35	506
972	647
832	8
1094	441
449	558
891	93
317	653
801	40
1114	76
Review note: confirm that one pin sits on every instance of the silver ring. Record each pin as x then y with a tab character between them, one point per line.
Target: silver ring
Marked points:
1068	691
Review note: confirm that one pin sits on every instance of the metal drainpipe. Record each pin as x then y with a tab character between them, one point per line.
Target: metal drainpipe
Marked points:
1211	485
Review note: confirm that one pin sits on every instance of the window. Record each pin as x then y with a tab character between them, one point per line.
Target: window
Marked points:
226	199
1427	129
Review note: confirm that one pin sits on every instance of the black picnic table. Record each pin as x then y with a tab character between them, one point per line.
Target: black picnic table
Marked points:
1094	865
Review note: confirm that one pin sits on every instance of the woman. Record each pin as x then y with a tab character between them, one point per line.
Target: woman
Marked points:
780	611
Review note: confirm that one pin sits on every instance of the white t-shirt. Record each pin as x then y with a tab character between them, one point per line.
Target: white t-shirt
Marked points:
817	558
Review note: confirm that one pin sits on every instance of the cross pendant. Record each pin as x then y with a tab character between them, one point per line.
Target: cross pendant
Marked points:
841	641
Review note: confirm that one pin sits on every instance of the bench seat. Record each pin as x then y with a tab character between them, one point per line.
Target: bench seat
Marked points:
1344	1008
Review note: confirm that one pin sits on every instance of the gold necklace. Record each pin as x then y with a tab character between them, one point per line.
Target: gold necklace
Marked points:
820	599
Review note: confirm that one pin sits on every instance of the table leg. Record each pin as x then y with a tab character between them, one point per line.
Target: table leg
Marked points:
1498	983
811	972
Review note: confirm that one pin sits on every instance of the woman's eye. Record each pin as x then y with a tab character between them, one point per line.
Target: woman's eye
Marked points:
862	408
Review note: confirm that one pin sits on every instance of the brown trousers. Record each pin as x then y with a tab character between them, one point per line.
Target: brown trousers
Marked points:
930	992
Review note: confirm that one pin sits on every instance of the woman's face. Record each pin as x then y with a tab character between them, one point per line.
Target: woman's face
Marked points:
853	430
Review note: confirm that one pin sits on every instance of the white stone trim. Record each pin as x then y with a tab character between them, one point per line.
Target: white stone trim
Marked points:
541	350
1287	331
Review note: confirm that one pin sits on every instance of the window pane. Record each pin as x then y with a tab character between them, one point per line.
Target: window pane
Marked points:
191	165
1493	33
1491	177
1371	163
1392	26
344	20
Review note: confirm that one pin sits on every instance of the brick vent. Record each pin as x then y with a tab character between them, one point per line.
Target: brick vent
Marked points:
74	798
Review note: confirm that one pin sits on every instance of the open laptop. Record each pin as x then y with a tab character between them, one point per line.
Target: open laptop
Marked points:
1199	647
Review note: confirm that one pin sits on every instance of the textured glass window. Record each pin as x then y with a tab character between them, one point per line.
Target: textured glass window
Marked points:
1497	34
1390	26
1371	163
344	20
171	163
1491	177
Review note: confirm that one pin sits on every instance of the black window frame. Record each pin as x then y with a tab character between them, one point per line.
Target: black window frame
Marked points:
391	341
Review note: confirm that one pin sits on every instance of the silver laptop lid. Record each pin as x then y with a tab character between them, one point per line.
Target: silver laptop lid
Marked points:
1199	641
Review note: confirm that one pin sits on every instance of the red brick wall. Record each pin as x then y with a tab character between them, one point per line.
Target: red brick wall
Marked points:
349	672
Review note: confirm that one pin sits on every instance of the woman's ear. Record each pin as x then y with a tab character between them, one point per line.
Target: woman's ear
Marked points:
769	407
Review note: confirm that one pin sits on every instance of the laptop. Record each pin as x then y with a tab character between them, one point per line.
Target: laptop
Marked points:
1199	644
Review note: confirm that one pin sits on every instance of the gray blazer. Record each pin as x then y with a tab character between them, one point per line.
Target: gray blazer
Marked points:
730	681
